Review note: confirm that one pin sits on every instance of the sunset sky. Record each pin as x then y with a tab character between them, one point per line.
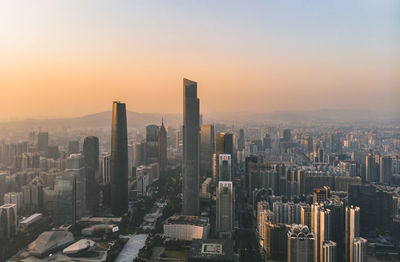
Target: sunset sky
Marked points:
70	58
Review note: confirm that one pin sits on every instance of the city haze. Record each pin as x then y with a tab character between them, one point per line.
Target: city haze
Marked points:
65	59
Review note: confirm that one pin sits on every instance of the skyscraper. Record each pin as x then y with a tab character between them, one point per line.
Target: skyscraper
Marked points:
8	220
151	151
225	204
91	155
359	249
119	160
73	147
370	168
300	244
223	145
191	148
385	174
224	167
43	142
329	251
241	141
352	230
207	149
320	226
162	148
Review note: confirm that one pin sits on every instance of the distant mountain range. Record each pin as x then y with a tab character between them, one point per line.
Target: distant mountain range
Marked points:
139	120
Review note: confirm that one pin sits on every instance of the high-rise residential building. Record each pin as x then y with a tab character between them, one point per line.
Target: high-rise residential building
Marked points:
384	210
370	168
364	196
320	226
8	221
352	230
385	173
14	198
300	244
30	160
306	215
162	149
337	235
191	148
224	167
207	149
241	140
119	160
73	147
91	156
275	241
359	249
329	251
267	142
151	151
321	194
43	142
225	205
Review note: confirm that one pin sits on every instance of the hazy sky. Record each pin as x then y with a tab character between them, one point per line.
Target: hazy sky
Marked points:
69	58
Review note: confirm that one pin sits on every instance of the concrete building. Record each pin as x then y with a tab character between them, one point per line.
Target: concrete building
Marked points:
191	149
225	167
352	231
119	160
300	244
207	149
328	251
186	228
8	221
359	249
225	209
14	198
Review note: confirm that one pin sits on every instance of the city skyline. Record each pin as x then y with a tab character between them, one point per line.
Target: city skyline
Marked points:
260	57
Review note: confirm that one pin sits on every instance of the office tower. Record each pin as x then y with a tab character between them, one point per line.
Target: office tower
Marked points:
53	152
370	167
241	140
320	155
151	144
225	204
14	198
352	230
43	142
267	142
191	148
73	147
329	251
119	160
105	172
76	168
162	149
139	154
64	202
91	156
207	149
287	136
321	195
130	160
337	235
223	145
384	210
300	244
385	173
306	216
359	249
364	196
224	167
308	144
320	226
8	221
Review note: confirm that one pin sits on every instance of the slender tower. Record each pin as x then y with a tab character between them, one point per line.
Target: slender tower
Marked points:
91	155
191	148
119	160
162	148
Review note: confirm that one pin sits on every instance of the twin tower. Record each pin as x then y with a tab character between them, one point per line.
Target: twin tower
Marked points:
191	154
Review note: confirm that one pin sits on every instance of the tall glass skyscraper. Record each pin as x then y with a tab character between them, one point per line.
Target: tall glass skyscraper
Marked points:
119	160
191	148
